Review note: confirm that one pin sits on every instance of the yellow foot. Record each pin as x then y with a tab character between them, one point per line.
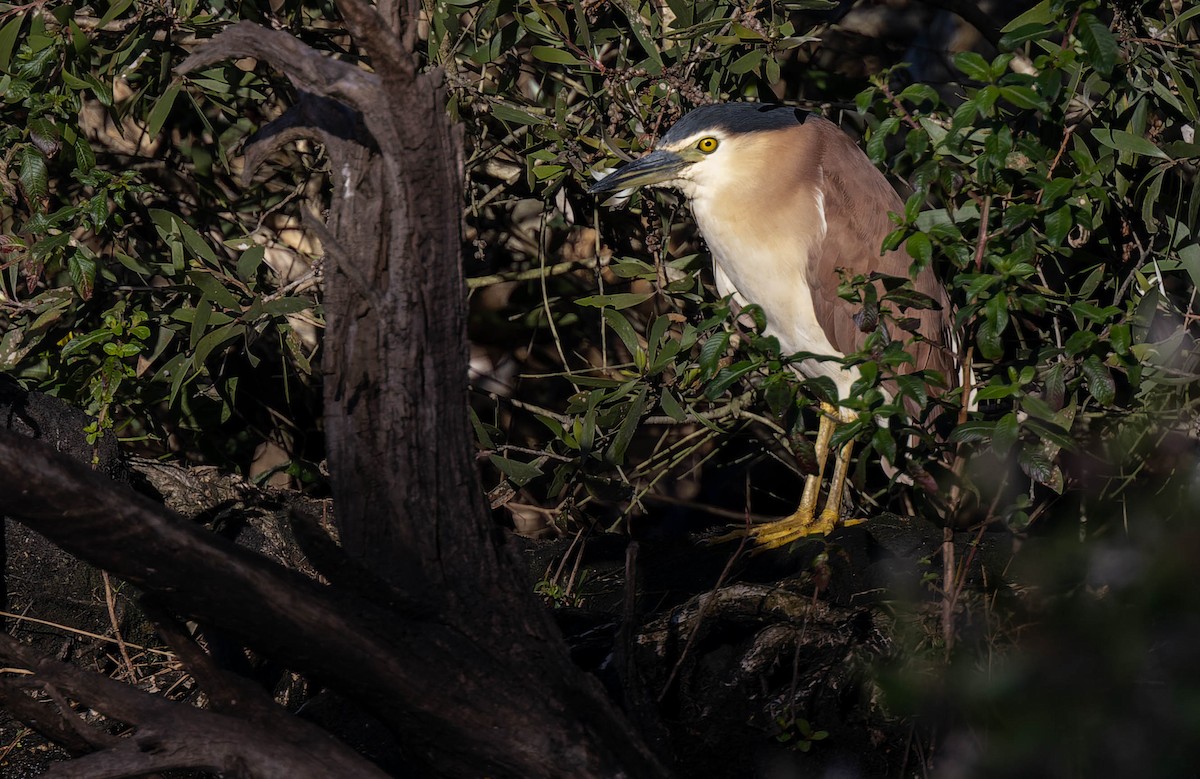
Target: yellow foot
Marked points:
771	535
799	525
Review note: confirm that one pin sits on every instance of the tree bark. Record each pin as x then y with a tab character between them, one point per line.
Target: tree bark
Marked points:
451	650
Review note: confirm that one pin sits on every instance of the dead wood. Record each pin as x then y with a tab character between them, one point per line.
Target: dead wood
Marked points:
451	652
169	735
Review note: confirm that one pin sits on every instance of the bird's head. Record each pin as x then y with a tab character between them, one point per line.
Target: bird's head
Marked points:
709	149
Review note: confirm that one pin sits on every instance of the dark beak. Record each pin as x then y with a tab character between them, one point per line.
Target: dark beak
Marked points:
656	167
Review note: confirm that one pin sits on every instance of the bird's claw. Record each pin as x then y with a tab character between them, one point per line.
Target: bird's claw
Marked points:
781	532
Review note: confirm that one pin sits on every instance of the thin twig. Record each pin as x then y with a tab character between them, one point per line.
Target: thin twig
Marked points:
77	631
981	246
895	101
545	412
541	250
534	273
111	601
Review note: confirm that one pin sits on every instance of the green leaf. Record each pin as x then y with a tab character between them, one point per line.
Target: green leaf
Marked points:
747	62
1039	468
1000	65
656	335
823	388
914	387
121	350
200	320
555	56
964	115
1099	380
912	206
45	135
644	39
1058	224
79	343
115	9
884	443
481	431
997	392
33	174
892	241
97	210
248	263
161	109
920	248
1191	13
973	66
83	274
196	243
544	172
214	339
919	93
988	338
712	351
85	158
1023	97
726	377
1052	434
876	144
8	38
507	113
214	289
1055	387
1006	433
1128	142
1025	32
620	325
517	472
756	313
671	406
1099	43
629	425
779	394
102	91
619	300
1041	14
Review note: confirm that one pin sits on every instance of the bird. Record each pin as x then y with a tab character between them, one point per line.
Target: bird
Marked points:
787	203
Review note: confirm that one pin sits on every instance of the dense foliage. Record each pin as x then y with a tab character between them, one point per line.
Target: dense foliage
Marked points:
1049	172
1052	185
140	280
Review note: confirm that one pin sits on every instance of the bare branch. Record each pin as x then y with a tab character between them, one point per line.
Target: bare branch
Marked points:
312	117
309	69
171	735
373	33
49	721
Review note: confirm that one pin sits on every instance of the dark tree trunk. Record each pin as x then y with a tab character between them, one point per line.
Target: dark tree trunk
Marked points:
430	622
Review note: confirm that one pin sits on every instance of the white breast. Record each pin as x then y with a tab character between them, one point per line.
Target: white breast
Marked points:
756	268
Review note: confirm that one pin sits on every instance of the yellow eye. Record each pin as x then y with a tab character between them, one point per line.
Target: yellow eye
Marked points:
708	145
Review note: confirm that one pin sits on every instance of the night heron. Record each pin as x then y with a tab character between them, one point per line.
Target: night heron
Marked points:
786	202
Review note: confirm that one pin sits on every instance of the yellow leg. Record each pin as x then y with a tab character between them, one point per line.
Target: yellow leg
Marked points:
805	521
837	485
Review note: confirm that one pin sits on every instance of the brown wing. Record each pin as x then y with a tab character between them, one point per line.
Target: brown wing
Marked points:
857	200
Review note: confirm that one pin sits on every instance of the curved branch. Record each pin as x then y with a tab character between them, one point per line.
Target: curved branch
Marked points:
308	68
398	668
172	735
312	117
372	32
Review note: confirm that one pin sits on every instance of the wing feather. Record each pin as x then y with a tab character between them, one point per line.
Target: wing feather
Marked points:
857	199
